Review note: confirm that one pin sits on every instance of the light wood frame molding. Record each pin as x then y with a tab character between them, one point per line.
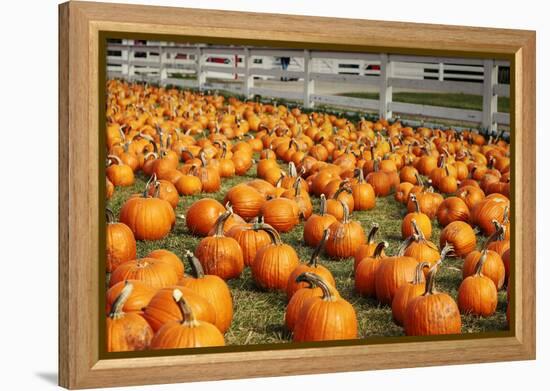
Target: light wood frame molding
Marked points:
80	365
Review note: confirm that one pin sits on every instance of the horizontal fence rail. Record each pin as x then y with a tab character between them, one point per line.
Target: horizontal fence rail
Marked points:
235	69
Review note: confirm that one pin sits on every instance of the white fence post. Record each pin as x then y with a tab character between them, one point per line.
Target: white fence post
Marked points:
163	73
129	62
248	78
201	76
490	99
441	72
386	91
309	83
124	66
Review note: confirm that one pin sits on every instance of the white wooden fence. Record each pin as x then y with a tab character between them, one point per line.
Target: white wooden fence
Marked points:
202	67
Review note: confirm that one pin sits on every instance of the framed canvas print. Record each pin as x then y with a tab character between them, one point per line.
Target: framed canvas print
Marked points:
241	200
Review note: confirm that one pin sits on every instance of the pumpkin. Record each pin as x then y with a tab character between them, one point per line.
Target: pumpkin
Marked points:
488	210
169	258
477	294
150	271
324	318
334	204
492	267
202	215
166	190
422	220
109	188
418	247
452	209
221	255
367	249
391	273
380	181
345	237
316	224
432	313
138	299
406	292
119	174
313	267
188	332
249	239
273	263
366	270
126	331
301	198
281	213
149	218
471	195
246	201
163	309
428	202
121	244
497	241
209	176
461	236
297	301
363	194
189	184
213	289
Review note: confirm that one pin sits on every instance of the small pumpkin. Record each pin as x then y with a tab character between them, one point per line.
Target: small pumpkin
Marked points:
345	237
246	201
121	244
422	220
477	294
202	215
363	194
281	213
149	218
367	249
316	224
492	267
249	239
138	299
273	263
126	331
432	313
312	266
150	271
189	332
119	174
406	292
324	318
461	236
221	255
452	209
213	289
297	301
169	258
418	247
366	270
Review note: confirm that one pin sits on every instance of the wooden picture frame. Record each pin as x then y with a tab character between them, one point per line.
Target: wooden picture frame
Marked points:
80	362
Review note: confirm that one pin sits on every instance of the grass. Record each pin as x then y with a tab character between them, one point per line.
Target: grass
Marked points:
459	101
259	316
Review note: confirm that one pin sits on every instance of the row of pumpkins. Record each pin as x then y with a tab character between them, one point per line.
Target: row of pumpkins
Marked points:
186	143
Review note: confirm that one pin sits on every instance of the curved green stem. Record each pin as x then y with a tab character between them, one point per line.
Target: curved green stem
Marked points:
316	280
187	316
116	308
315	255
196	267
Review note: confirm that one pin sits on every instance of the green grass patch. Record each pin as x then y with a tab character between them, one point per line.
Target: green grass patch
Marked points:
458	101
259	315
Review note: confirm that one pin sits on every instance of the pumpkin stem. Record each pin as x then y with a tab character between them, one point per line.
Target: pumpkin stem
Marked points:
379	248
152	180
220	221
360	176
316	280
202	157
344	186
297	187
110	216
116	308
315	255
372	233
196	267
506	216
292	170
419	273
500	231
323	206
187	317
272	232
346	219
418	234
480	263
414	200
419	179
110	158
